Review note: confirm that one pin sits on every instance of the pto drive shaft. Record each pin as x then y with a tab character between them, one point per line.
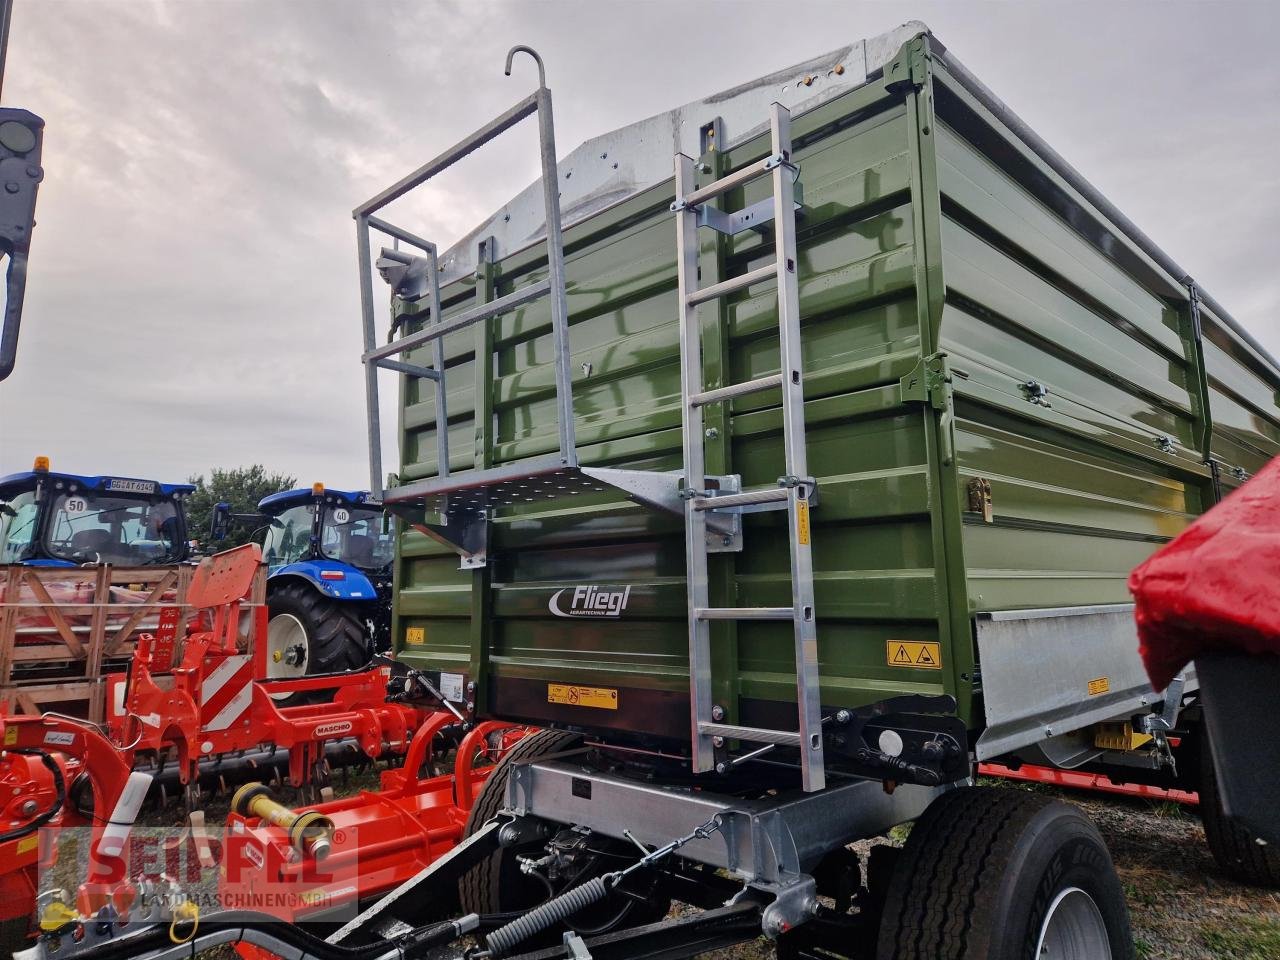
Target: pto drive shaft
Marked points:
310	833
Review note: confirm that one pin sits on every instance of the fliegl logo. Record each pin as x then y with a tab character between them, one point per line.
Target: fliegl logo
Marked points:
589	601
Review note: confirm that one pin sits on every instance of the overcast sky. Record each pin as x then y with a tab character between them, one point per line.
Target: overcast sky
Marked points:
192	299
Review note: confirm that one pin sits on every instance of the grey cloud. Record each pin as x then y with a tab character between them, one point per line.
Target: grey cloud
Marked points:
192	297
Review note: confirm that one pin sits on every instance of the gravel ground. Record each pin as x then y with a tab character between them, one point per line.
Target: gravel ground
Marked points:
1181	906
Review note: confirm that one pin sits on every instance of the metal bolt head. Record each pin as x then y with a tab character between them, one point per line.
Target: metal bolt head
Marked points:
722	768
28	808
843	716
717	713
717	742
712	433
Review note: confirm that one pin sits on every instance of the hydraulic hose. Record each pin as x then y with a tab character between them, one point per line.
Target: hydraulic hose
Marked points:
60	795
241	926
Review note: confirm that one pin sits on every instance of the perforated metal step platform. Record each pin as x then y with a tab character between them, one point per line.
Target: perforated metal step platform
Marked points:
455	509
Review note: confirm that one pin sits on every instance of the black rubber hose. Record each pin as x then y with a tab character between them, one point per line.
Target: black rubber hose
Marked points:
156	938
551	912
59	786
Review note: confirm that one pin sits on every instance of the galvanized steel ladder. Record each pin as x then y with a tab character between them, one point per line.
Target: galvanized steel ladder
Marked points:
795	490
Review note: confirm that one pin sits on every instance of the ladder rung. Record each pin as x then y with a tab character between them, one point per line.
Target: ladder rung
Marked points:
735	179
783	738
747	499
726	287
745	613
736	390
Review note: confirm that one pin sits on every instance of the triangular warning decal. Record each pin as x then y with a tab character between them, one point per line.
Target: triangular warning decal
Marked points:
925	659
900	655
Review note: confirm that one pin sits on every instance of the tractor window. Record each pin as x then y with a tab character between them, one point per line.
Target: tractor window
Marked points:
88	527
17	526
288	537
355	536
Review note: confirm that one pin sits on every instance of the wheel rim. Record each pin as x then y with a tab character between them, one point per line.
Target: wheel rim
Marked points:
1073	929
287	648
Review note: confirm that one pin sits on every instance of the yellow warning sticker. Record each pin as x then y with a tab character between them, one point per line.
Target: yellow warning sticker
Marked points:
1101	685
604	698
416	635
802	521
29	843
920	655
10	736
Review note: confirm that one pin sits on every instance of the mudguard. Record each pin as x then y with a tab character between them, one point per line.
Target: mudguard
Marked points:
353	584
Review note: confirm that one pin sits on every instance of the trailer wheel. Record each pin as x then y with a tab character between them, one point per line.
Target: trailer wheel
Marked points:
1236	850
309	633
494	884
498	885
1001	874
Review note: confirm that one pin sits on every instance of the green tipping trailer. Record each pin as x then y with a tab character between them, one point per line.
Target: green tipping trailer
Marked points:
801	462
1011	398
1007	397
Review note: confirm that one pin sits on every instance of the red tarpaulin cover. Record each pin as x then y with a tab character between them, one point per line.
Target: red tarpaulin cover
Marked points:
1217	585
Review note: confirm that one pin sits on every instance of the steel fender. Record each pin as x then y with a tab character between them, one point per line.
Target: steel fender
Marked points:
354	585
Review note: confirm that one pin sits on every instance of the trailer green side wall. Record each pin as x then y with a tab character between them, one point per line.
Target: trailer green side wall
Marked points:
973	328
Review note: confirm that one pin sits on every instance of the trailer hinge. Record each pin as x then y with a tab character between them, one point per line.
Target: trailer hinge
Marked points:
927	382
910	68
1193	294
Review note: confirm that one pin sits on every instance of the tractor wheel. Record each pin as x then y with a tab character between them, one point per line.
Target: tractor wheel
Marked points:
1001	874
309	633
1240	855
498	885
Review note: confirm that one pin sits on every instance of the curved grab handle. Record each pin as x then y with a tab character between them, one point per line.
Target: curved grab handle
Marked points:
15	289
521	48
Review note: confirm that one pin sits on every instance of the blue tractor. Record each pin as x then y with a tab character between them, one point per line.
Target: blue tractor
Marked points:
66	520
329	554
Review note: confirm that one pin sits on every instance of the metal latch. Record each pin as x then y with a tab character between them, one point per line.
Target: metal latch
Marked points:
1036	392
979	489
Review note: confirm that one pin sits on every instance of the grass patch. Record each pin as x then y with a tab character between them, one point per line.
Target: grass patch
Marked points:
1246	938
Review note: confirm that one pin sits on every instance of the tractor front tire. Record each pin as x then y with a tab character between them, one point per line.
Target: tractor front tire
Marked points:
1002	874
334	633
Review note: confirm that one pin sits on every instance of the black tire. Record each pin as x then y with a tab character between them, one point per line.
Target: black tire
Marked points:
980	871
496	885
336	639
1236	850
15	935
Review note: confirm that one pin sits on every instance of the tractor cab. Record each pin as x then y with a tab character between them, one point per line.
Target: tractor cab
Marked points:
320	525
66	520
329	590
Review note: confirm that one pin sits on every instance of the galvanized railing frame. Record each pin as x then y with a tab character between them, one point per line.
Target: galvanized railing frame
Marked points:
377	357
